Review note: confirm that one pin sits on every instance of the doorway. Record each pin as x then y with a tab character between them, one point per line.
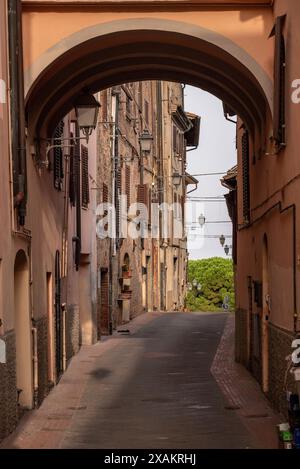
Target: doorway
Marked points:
103	320
50	321
24	372
58	319
265	317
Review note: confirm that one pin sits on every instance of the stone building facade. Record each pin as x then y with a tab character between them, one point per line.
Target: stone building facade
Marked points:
137	274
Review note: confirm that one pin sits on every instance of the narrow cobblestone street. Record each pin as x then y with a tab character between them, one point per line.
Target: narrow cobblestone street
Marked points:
152	387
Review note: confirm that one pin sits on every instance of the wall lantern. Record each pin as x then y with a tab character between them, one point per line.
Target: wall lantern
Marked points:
222	240
199	287
145	140
201	220
86	109
226	249
176	179
195	283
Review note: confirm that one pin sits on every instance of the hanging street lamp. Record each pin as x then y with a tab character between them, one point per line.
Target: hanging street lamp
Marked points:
145	140
226	249
222	240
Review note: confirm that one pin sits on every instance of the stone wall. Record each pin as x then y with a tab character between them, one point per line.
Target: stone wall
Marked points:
42	352
280	380
8	393
72	331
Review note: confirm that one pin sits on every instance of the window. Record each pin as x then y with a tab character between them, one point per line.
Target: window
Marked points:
146	111
279	82
128	107
127	185
85	196
104	106
245	169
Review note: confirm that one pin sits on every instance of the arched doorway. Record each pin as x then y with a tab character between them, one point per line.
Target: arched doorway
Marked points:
265	316
126	289
24	372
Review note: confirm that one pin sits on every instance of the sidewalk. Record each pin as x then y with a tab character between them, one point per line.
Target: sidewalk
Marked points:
243	392
45	427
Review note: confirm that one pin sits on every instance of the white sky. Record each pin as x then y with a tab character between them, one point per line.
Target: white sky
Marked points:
216	153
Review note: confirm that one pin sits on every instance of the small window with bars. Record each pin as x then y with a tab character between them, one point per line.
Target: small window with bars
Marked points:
85	193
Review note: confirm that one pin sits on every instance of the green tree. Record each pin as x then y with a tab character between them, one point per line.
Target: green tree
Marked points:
217	282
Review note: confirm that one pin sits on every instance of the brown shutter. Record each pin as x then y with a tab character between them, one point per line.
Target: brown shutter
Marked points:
119	191
174	139
146	112
127	185
58	162
85	196
279	83
105	193
104	105
149	205
72	178
245	169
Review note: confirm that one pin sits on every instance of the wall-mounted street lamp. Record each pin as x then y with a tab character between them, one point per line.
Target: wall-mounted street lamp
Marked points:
177	179
86	110
145	140
227	249
222	240
201	220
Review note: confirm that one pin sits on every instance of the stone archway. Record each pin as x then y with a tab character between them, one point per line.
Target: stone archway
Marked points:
107	54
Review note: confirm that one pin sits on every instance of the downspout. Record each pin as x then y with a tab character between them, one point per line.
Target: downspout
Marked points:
17	108
77	238
35	367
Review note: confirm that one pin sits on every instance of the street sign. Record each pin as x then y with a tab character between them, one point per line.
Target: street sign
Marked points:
296	353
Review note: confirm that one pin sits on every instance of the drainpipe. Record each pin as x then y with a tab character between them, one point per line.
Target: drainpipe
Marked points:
77	238
35	367
17	108
64	355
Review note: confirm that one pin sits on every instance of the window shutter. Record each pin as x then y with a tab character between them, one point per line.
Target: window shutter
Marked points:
104	106
149	205
104	193
146	112
174	139
58	169
127	185
245	169
119	191
85	195
279	83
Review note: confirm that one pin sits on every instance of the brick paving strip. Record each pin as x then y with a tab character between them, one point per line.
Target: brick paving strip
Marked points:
45	427
243	393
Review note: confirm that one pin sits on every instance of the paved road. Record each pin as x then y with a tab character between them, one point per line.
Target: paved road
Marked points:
154	389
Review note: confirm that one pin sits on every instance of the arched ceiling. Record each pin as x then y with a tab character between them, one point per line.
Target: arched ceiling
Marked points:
100	58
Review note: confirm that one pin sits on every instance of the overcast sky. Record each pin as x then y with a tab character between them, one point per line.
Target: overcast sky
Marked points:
216	153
